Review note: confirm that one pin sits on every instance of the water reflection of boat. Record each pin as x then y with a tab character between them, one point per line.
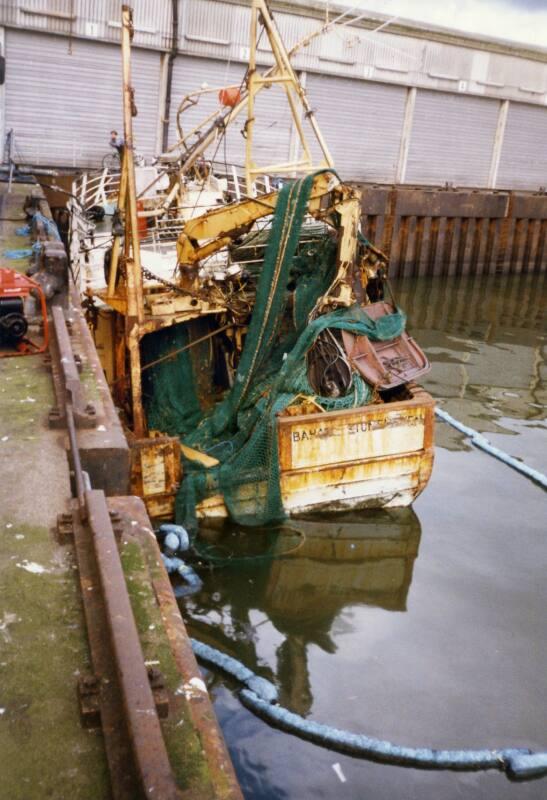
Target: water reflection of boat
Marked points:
342	561
353	558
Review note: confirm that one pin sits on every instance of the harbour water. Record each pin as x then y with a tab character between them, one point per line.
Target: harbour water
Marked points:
423	626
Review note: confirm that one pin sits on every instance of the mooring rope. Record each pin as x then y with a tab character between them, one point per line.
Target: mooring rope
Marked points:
260	696
482	442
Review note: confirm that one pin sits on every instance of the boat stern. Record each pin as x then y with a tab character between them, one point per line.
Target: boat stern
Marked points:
377	456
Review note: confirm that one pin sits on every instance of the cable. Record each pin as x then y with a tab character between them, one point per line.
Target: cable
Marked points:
223	129
104	245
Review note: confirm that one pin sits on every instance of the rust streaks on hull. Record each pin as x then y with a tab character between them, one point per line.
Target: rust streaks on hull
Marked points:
375	456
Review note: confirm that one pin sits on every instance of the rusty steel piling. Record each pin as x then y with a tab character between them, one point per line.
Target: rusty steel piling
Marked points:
449	231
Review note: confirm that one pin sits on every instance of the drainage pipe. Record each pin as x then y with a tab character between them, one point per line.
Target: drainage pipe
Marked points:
170	65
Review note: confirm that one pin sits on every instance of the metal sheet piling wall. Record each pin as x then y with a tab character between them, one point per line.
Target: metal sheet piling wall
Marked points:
447	232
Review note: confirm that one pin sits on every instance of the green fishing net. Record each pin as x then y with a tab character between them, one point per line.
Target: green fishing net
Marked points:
168	388
241	431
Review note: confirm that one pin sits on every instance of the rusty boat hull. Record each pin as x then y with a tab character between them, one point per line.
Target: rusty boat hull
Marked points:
375	456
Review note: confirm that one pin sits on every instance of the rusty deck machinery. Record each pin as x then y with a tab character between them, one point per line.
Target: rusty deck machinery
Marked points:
121	694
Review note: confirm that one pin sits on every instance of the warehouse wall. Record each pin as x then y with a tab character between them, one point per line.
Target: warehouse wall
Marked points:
452	139
62	105
362	123
407	105
524	151
272	118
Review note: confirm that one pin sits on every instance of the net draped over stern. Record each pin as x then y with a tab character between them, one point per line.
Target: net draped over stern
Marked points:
241	431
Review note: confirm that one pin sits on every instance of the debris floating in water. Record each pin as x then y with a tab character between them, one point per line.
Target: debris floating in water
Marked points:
517	763
338	769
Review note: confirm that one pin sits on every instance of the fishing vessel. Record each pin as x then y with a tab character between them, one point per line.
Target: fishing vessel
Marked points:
250	336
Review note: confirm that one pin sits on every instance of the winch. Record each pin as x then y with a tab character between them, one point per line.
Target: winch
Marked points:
14	290
13	324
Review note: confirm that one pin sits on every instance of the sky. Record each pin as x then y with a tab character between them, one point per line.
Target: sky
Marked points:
519	20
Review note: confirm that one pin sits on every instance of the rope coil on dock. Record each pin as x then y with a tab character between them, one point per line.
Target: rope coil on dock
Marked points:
260	697
482	442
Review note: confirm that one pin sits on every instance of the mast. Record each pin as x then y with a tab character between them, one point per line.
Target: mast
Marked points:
283	74
133	274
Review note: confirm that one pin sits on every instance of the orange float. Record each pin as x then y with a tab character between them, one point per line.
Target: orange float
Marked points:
142	222
229	96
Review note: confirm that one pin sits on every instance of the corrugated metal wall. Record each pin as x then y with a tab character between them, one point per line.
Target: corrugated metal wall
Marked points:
92	19
209	30
362	124
63	92
272	128
219	29
62	101
523	163
452	139
508	73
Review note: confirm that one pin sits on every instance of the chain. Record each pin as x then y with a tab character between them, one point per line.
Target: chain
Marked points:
146	273
168	284
237	304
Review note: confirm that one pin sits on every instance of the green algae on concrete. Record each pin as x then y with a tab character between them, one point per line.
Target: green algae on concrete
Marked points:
12	209
183	743
223	785
25	398
45	751
88	379
14	242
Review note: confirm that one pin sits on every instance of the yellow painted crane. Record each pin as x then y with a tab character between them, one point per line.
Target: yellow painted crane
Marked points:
330	200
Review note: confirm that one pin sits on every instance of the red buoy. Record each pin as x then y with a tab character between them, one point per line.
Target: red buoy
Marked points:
142	222
230	96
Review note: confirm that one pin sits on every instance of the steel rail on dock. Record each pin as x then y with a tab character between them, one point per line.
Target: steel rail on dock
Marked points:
100	567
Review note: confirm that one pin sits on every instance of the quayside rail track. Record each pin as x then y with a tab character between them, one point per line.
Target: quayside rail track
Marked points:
138	732
123	694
